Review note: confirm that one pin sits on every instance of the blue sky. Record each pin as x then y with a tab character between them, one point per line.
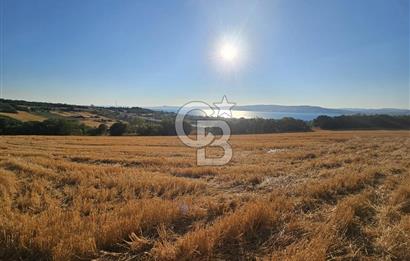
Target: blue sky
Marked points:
338	53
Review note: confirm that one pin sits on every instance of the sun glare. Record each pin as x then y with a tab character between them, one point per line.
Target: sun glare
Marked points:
229	52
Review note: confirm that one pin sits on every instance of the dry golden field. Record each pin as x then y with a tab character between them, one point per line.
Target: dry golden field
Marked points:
23	116
306	196
87	118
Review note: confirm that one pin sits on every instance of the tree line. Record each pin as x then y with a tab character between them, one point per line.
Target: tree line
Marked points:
61	126
259	125
166	126
5	107
363	122
55	126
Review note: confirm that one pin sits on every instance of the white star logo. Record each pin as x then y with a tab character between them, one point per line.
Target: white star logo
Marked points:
224	107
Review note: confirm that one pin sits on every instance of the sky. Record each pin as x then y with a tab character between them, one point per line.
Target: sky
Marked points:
331	53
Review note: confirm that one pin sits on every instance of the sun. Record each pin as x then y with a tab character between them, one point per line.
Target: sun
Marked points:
228	52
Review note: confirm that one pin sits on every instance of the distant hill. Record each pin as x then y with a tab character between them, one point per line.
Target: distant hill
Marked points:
292	109
388	111
302	109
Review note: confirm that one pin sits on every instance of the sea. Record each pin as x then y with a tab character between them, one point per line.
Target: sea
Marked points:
266	115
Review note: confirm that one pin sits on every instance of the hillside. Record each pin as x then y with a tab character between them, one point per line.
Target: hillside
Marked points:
23	116
91	116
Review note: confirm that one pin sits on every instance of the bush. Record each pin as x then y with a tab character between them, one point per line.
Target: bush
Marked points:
118	129
99	131
62	127
8	125
102	129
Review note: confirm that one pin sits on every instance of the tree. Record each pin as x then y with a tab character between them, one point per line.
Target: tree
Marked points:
102	129
61	127
167	127
5	107
118	129
9	125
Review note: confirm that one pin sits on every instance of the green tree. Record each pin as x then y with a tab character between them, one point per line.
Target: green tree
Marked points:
102	129
118	129
5	107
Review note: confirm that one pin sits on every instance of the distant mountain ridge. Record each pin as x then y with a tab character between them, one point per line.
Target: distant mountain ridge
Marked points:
302	109
292	109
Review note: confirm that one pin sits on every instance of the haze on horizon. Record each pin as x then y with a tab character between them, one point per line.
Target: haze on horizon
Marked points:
336	54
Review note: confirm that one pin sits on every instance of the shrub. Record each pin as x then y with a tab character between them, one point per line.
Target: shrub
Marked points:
100	130
118	129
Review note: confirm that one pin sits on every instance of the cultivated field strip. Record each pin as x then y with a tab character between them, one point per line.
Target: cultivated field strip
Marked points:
302	196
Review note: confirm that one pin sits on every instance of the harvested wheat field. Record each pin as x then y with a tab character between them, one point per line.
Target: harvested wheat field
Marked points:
23	116
306	196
